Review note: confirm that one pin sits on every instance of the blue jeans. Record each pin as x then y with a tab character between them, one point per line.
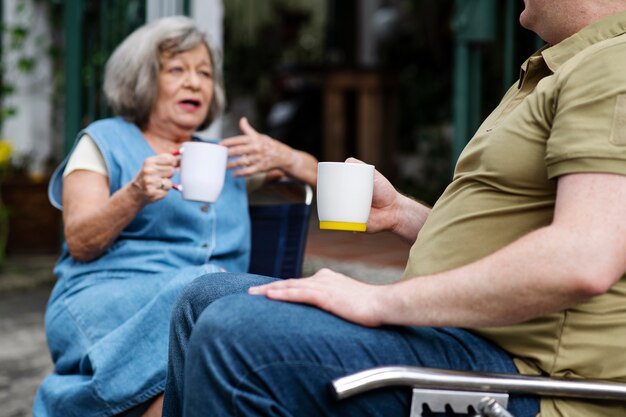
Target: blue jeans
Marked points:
244	355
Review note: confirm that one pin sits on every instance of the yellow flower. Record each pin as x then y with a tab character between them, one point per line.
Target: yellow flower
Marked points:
5	154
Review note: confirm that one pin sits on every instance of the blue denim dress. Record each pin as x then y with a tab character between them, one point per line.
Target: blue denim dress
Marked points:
107	320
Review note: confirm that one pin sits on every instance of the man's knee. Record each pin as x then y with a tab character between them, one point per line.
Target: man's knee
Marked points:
206	289
235	314
252	322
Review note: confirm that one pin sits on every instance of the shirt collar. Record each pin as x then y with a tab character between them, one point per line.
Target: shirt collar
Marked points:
556	55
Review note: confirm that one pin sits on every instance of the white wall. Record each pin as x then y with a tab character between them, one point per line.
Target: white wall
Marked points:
160	8
29	130
208	14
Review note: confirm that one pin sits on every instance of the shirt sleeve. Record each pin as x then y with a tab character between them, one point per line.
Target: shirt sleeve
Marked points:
86	156
588	132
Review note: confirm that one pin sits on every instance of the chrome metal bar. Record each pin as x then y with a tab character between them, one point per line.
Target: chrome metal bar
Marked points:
469	381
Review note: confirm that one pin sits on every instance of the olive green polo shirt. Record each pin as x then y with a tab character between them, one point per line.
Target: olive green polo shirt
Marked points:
566	115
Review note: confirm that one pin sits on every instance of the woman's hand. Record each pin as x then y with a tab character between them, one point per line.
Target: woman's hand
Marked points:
331	291
255	153
153	181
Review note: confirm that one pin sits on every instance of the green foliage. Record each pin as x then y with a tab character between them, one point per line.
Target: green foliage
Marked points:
105	26
26	64
17	34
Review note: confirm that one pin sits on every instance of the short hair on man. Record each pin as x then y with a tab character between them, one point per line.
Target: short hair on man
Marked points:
131	77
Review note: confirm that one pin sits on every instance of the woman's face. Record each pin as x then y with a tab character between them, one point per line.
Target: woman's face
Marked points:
185	90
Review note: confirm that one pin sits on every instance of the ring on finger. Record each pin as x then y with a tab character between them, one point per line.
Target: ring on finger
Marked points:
246	160
162	185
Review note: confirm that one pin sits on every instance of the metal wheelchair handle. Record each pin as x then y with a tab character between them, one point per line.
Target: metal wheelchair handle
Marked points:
472	381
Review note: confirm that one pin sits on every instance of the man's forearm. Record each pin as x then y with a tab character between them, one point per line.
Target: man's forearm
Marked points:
579	255
533	276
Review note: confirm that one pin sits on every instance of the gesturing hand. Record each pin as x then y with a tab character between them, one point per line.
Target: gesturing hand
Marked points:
256	152
330	291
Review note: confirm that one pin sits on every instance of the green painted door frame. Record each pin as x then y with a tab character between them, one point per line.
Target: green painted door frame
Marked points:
92	29
474	26
477	25
73	23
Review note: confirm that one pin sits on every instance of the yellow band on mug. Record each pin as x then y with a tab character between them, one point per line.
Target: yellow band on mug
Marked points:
352	227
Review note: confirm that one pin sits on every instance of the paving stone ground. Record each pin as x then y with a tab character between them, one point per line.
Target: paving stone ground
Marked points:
25	285
24	359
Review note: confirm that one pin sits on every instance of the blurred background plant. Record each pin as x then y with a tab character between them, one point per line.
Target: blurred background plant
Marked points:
29	114
5	156
14	36
18	59
28	51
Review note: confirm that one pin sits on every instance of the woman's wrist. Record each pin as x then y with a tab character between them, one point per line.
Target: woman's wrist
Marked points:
133	195
295	160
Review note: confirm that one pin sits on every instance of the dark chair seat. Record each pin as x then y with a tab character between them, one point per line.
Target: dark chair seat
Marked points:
279	214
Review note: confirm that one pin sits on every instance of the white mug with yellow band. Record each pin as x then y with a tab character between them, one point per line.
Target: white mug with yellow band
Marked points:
344	195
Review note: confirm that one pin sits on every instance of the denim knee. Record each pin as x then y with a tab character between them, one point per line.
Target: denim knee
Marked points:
206	289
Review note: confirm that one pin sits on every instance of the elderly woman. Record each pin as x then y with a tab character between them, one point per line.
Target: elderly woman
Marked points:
131	245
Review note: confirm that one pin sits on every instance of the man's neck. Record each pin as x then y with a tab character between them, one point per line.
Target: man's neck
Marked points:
584	14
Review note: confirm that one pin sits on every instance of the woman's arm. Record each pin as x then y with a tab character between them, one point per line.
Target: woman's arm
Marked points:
256	153
93	218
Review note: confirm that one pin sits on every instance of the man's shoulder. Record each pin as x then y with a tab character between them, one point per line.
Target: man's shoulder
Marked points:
602	61
612	50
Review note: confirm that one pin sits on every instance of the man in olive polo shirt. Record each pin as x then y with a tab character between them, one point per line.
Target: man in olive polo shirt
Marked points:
522	258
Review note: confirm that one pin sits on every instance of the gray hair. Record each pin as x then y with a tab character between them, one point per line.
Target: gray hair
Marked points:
131	77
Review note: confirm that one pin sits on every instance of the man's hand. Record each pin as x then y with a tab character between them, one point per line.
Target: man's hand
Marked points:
392	211
331	291
384	201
